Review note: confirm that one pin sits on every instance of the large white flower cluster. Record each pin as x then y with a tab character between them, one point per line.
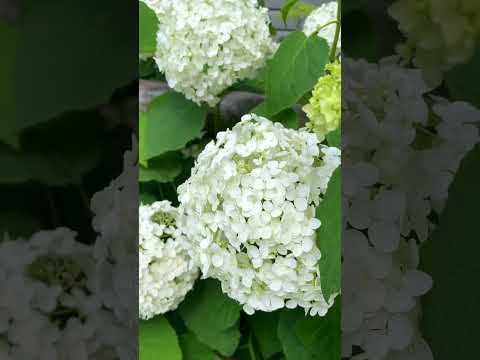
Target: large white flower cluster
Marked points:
204	46
323	22
116	222
48	304
166	271
398	163
115	210
439	34
249	211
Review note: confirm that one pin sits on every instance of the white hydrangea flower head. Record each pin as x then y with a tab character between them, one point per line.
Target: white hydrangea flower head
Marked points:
398	164
440	34
322	21
166	271
48	282
204	46
249	212
116	222
385	118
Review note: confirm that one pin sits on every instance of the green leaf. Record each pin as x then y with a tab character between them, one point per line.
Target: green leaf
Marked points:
212	317
260	110
301	9
305	337
359	37
18	224
147	198
194	350
273	30
459	80
157	339
351	5
149	192
288	117
294	70
164	168
142	134
171	121
147	69
334	138
75	61
286	8
256	84
450	312
8	128
148	26
329	236
51	155
263	325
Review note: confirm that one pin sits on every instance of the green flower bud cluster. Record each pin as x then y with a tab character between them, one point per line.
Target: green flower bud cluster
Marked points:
57	270
163	218
324	107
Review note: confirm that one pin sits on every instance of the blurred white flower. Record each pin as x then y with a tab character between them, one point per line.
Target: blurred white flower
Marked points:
48	287
363	272
440	34
249	212
166	271
115	210
116	222
398	165
204	47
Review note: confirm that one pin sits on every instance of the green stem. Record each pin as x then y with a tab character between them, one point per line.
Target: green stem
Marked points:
327	24
333	52
160	190
424	130
84	197
55	218
174	187
251	350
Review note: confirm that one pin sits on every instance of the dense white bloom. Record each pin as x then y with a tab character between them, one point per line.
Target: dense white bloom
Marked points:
47	304
115	220
166	271
440	33
249	212
398	164
204	47
322	21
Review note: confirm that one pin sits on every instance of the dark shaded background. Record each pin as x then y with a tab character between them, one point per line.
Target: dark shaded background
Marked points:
68	113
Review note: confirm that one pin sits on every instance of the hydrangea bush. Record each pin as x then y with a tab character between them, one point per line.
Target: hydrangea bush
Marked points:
242	204
236	184
408	121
